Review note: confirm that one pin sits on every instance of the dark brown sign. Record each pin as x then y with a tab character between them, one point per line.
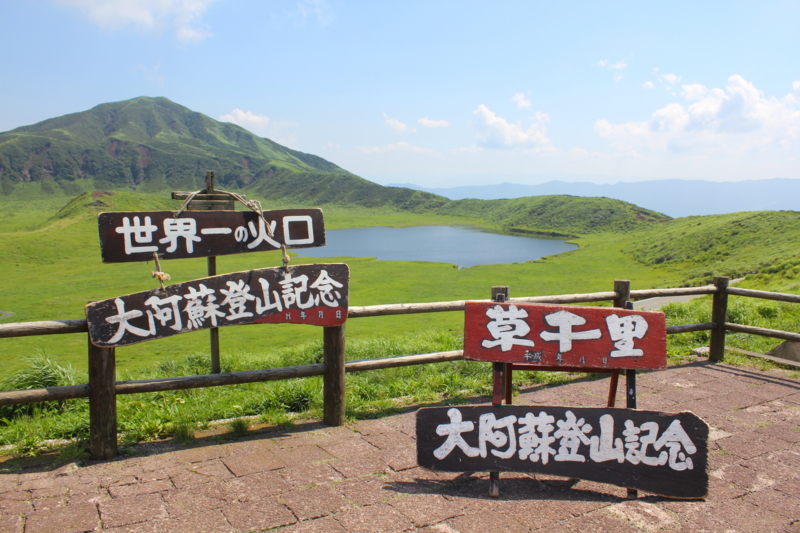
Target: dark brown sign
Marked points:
305	294
570	336
662	453
135	236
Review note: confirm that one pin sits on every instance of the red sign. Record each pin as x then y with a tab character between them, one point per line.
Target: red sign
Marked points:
552	335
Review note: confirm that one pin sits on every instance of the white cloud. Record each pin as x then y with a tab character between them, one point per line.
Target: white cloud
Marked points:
497	132
317	9
394	124
430	123
279	131
732	120
618	76
648	85
521	101
151	74
619	65
182	15
670	81
401	146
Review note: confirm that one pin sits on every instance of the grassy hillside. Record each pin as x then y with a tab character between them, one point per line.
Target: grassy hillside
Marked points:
735	244
155	145
555	215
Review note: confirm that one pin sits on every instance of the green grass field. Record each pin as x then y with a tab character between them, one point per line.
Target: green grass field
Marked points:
51	268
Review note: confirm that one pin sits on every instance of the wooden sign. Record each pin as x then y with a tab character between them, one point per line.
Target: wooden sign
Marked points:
662	453
305	294
135	236
569	336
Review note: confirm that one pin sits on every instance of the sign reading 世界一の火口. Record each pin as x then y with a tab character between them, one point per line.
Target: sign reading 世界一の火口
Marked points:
662	453
570	336
136	236
303	294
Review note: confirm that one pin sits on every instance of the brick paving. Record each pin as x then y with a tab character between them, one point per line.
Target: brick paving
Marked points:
364	478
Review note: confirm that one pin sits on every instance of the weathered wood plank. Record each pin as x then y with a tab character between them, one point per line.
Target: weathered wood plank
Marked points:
403	360
764	332
137	235
765	295
44	327
44	395
315	294
681	291
719	311
333	384
671	458
688	328
102	403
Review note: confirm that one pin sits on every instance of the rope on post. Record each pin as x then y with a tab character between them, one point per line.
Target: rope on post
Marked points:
158	274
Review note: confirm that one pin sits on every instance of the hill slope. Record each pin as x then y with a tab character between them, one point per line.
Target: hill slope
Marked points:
153	145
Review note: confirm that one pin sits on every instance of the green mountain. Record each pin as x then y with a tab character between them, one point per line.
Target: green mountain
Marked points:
155	145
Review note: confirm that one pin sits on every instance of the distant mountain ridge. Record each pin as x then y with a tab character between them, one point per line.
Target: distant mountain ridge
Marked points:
673	197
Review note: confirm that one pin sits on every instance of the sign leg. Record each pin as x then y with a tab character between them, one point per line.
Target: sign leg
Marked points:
214	332
630	386
612	388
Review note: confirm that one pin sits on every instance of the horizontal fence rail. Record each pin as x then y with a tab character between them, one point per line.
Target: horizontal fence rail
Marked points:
102	388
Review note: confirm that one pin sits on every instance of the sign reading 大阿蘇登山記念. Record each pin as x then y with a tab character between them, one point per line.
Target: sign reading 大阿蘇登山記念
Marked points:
136	236
662	453
303	294
569	336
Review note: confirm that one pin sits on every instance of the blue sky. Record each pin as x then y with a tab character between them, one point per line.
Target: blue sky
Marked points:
439	93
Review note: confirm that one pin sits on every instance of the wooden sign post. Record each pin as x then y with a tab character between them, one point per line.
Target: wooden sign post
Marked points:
572	339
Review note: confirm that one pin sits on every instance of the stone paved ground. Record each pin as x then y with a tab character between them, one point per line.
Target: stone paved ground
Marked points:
364	478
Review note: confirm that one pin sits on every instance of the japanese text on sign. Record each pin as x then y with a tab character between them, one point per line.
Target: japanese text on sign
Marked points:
305	294
135	236
571	336
659	452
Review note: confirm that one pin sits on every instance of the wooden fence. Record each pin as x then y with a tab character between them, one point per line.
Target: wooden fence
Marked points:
103	388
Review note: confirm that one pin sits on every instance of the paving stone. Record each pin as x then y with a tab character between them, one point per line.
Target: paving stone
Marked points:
49	503
371	427
181	504
748	446
302	455
132	510
256	486
426	509
314	502
151	487
320	525
11	523
243	465
16	506
487	522
360	466
201	454
400	458
389	440
74	519
212	469
781	430
349	448
312	474
365	491
778	502
378	518
258	515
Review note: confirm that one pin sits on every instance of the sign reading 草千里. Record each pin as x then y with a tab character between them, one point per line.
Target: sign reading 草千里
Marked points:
303	294
662	453
570	336
135	236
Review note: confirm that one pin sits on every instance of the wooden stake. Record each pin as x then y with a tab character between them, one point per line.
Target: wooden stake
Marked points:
719	312
102	403
333	387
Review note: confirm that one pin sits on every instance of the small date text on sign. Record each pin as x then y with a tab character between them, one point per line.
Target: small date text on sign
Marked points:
306	294
549	335
135	236
662	453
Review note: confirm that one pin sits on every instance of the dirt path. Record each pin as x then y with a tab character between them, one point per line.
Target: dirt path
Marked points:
5	314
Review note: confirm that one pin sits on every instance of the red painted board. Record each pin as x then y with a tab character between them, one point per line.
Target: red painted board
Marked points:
305	294
569	336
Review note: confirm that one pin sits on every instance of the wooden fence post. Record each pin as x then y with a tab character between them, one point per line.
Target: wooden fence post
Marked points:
623	289
333	388
501	385
719	314
102	403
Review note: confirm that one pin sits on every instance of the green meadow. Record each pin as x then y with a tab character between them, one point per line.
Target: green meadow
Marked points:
51	268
